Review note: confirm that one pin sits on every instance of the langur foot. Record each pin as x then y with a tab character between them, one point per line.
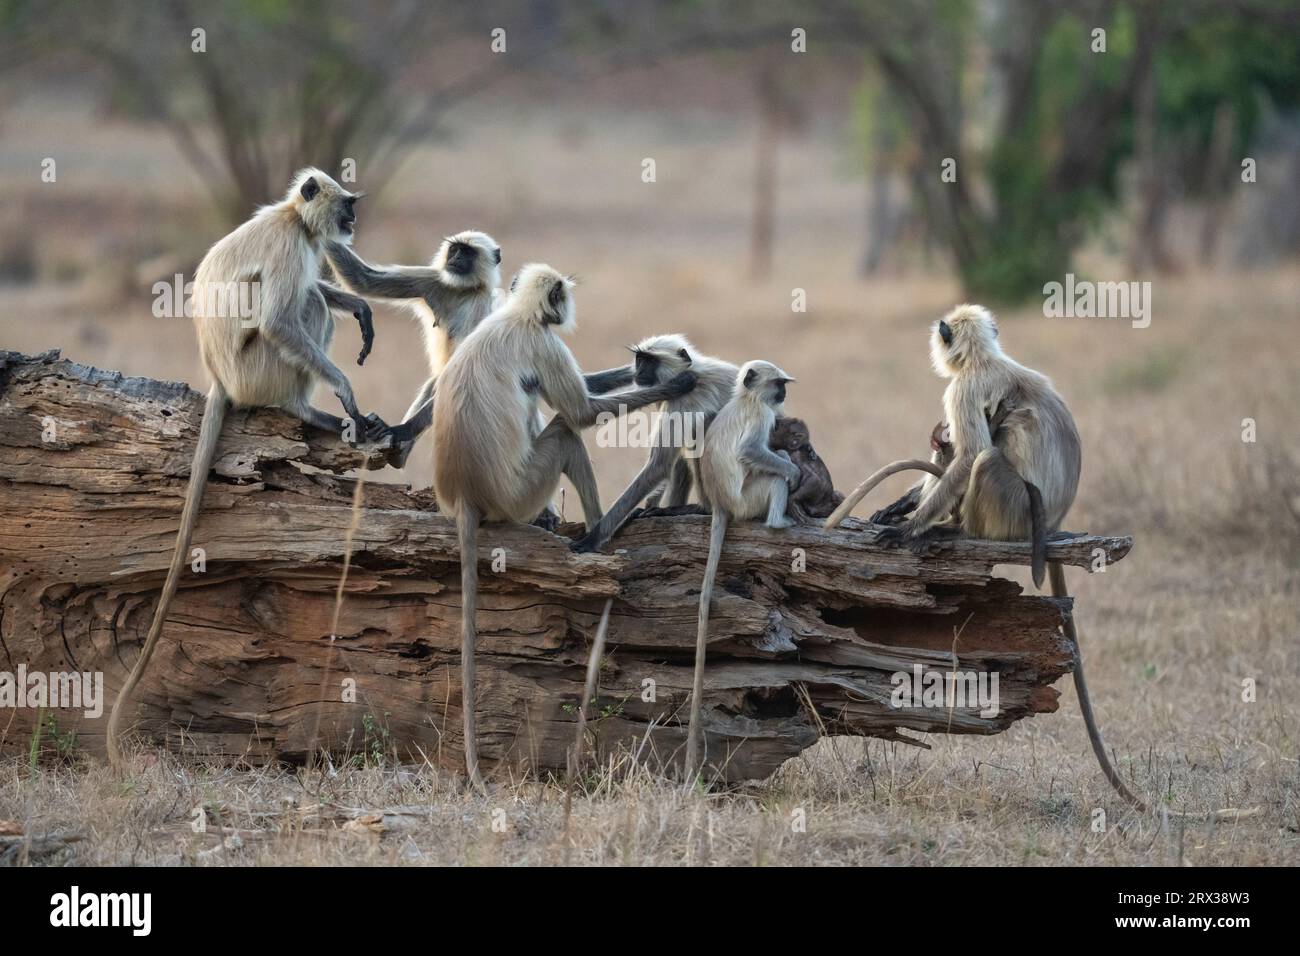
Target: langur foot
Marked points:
548	520
888	516
585	545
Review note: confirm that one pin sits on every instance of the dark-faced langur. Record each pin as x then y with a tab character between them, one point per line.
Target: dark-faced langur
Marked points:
450	297
816	497
742	479
264	326
1032	466
682	424
489	460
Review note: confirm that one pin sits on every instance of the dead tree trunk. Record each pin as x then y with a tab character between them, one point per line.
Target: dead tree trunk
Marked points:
809	628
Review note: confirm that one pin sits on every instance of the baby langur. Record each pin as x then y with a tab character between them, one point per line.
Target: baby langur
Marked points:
450	296
274	356
683	422
742	478
489	461
816	497
942	455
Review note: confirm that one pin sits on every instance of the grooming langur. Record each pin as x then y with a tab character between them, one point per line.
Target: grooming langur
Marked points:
742	478
682	424
490	462
1033	462
450	296
816	497
1033	466
273	353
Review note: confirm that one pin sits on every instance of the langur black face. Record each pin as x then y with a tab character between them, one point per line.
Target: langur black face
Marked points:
461	257
658	365
647	369
769	387
348	214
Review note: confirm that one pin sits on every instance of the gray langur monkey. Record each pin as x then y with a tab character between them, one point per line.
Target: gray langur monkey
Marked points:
1014	469
741	478
450	296
682	424
271	353
1016	452
489	460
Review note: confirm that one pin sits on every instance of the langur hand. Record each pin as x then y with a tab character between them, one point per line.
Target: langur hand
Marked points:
681	383
373	430
365	318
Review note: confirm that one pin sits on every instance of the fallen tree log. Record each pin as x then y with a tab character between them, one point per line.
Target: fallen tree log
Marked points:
810	629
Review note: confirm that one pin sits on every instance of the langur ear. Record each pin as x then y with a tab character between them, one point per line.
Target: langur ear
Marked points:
496	255
945	332
310	188
749	378
686	356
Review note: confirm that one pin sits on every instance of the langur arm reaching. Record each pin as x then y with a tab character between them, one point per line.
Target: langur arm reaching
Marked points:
598	383
393	282
565	390
336	298
283	329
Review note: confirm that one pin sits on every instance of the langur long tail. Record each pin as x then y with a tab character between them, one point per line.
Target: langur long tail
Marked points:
860	492
693	731
1090	720
467	520
1037	534
214	416
588	695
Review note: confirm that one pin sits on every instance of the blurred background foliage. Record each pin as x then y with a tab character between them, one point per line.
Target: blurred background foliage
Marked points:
1042	126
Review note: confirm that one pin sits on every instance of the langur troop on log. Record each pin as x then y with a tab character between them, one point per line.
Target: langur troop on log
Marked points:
1004	461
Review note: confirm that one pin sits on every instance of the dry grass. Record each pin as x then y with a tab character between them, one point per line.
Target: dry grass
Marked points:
1207	598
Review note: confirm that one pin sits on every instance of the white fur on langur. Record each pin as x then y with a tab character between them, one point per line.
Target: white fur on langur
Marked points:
274	356
682	423
741	478
489	460
450	297
1014	485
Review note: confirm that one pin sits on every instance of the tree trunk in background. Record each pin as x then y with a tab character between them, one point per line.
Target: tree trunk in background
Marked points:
1148	250
1217	188
765	150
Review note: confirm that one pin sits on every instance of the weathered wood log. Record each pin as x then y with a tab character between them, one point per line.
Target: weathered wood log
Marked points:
809	627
